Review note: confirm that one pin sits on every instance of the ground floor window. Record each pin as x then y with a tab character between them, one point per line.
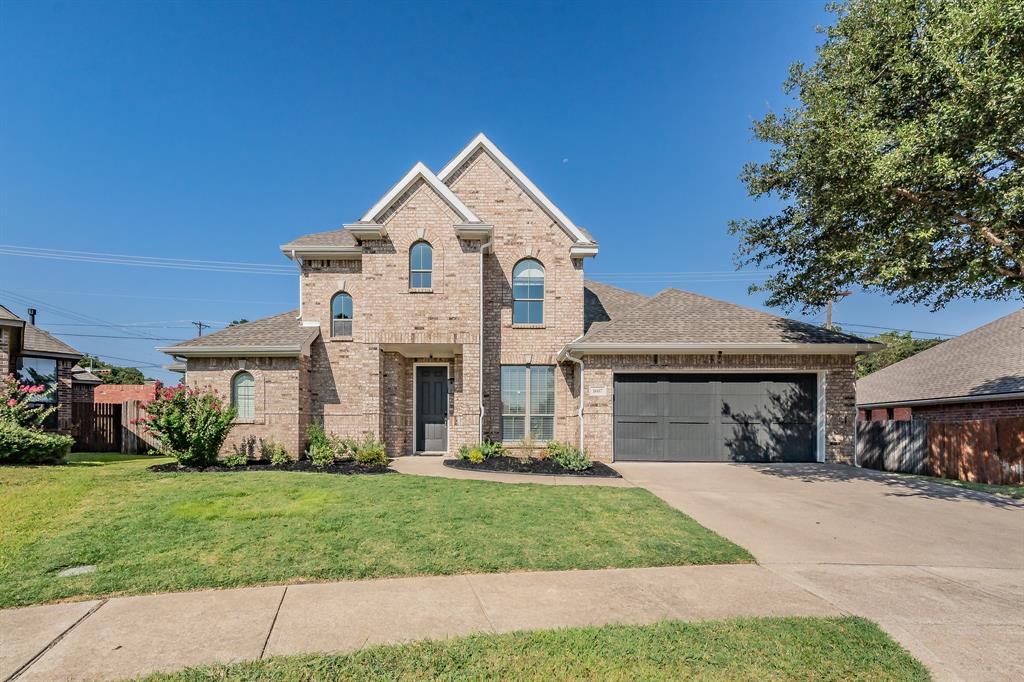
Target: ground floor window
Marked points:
527	402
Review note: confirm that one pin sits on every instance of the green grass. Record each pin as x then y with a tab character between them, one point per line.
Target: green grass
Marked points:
818	649
1013	491
150	532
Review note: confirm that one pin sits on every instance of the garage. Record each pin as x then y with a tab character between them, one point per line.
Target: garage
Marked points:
722	417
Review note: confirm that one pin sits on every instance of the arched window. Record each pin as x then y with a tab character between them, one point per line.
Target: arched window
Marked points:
528	292
421	266
243	395
341	315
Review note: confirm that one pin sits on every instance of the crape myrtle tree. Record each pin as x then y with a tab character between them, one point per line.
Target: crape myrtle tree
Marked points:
899	168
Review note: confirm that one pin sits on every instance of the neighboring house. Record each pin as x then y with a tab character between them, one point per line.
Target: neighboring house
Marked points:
84	385
120	393
977	375
456	309
38	357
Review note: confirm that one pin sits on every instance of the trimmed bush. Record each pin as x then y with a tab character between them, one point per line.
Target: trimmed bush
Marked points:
190	424
478	452
238	459
476	456
273	451
568	456
320	455
371	452
22	445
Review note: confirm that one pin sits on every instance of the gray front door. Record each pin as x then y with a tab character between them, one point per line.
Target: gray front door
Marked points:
715	417
431	409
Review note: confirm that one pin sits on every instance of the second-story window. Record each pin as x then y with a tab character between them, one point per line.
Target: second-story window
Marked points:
421	266
341	315
528	292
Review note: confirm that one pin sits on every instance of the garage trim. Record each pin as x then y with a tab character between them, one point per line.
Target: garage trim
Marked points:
820	417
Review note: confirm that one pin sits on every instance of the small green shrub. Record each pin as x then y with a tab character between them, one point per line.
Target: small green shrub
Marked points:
568	456
235	460
370	452
19	444
190	424
476	456
463	452
320	455
491	448
274	452
478	452
346	448
246	449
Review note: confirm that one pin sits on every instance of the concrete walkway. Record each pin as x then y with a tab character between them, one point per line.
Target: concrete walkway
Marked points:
941	569
130	636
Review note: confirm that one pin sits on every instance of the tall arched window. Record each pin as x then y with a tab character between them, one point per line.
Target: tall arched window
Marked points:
341	315
243	395
421	266
528	292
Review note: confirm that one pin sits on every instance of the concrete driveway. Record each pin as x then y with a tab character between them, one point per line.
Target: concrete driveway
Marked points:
940	568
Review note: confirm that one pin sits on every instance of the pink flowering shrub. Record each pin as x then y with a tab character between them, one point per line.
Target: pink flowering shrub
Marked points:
190	424
15	405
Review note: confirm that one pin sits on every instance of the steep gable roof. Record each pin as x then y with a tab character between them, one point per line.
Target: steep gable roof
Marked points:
681	320
482	142
419	172
38	341
282	334
7	315
988	361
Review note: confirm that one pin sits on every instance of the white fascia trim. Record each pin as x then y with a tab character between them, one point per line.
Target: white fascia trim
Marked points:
416	172
728	348
995	397
234	351
323	252
520	177
364	231
583	250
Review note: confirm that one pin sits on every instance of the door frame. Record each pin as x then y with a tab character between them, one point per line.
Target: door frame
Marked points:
415	414
820	403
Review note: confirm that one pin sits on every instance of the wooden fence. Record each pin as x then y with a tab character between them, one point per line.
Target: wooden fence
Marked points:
983	451
110	427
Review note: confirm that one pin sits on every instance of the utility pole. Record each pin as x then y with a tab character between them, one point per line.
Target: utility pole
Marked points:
828	307
200	324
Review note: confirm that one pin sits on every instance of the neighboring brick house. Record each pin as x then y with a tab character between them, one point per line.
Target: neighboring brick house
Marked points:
456	309
120	393
37	356
977	375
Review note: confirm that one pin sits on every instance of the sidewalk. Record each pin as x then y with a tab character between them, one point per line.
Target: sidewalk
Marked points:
129	636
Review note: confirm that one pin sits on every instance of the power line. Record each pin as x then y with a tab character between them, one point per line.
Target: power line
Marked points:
148	261
62	312
153	298
894	329
114	336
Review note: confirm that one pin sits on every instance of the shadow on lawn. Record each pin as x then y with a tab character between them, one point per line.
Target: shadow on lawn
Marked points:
900	485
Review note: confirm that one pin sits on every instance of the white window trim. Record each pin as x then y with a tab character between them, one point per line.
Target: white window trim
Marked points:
528	413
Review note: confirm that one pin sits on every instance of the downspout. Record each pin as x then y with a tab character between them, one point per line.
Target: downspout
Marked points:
579	412
480	345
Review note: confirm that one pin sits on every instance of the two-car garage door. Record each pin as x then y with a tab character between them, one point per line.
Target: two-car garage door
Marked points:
715	417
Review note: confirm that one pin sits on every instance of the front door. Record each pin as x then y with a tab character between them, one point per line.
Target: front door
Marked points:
431	409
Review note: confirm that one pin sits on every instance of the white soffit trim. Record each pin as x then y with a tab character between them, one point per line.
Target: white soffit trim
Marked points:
520	177
728	348
416	172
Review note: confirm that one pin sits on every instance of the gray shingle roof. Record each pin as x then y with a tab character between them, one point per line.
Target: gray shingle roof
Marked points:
340	237
603	303
986	361
81	375
277	331
6	314
674	316
36	340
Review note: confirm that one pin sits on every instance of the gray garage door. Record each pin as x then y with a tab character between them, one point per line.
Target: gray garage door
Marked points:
715	417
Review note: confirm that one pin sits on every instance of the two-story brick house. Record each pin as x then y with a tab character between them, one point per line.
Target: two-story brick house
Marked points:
456	309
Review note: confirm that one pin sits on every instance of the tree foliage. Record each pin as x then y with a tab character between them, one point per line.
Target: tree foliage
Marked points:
116	375
897	347
899	168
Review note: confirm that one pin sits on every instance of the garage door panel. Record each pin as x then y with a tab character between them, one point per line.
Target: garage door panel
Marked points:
754	417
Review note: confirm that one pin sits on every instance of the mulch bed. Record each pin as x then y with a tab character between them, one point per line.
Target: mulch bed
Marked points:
521	465
345	468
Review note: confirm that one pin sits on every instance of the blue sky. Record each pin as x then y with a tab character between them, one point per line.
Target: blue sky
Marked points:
218	131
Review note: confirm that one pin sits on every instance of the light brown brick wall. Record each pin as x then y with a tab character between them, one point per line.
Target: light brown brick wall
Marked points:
280	413
839	395
523	230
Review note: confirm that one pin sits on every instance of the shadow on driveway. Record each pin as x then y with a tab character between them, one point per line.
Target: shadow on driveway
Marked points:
900	485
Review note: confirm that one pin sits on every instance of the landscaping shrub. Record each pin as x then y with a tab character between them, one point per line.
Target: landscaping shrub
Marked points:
346	448
273	451
568	456
237	459
476	456
23	445
478	452
246	449
371	452
490	448
321	449
190	424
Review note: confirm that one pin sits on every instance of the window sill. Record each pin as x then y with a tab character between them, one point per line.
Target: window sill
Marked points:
252	420
344	339
425	290
523	325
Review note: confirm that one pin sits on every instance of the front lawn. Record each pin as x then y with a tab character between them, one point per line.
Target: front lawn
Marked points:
818	649
156	532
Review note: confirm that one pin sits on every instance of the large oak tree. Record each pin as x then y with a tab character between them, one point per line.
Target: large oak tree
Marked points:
901	166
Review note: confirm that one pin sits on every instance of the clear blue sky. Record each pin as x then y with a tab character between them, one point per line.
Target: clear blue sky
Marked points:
220	130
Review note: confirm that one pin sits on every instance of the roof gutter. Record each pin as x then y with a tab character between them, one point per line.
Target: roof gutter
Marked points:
994	397
598	348
324	252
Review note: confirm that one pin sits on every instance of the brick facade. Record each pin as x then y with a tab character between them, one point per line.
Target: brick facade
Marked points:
947	412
